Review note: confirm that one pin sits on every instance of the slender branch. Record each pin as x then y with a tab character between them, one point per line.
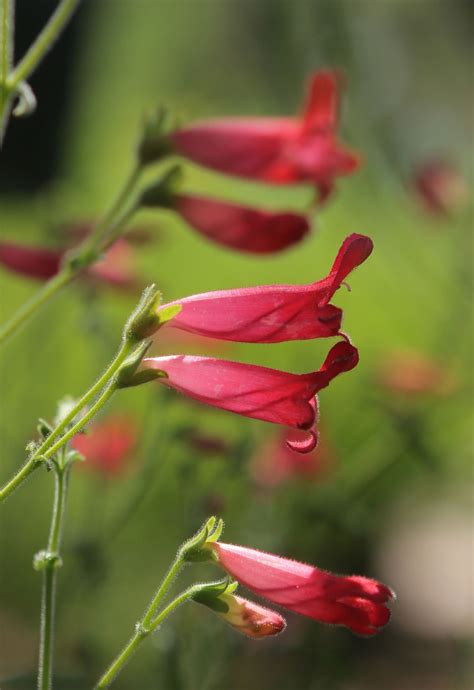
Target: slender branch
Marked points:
104	234
100	402
6	55
162	589
35	302
38	456
141	632
51	561
43	43
113	367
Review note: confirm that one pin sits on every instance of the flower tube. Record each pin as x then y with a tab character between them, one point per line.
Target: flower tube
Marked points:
276	150
273	313
253	391
357	602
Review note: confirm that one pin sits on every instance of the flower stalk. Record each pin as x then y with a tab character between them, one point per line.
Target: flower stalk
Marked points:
114	377
49	561
189	551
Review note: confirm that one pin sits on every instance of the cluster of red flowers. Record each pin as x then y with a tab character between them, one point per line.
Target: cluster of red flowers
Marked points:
276	151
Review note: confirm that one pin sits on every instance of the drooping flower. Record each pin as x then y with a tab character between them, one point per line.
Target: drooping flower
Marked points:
241	227
441	187
253	391
108	445
245	616
357	602
273	313
276	150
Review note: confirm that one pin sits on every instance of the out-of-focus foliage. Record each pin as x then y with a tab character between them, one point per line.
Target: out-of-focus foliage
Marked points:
394	454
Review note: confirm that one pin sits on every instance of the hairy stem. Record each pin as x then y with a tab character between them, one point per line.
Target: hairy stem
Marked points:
6	55
51	564
141	632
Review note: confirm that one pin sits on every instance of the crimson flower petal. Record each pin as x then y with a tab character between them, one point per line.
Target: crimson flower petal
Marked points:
321	111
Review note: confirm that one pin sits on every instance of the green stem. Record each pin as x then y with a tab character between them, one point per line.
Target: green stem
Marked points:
35	302
6	56
162	589
100	402
104	234
48	598
113	367
43	43
22	474
44	450
141	632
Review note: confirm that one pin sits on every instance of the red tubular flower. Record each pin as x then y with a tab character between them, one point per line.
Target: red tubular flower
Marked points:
240	227
257	392
108	445
357	602
276	150
273	313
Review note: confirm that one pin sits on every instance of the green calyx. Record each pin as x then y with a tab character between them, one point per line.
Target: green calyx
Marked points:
214	594
155	143
199	547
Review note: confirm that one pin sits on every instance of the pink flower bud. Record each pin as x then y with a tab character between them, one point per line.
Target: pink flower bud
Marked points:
273	313
250	618
356	602
276	150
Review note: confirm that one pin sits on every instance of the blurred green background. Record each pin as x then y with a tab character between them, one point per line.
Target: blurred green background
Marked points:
395	502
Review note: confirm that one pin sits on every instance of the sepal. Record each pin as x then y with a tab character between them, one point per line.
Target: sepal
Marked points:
196	548
144	321
155	144
161	194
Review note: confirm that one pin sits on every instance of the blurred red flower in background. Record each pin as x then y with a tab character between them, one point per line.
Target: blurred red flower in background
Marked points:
276	150
412	373
108	445
116	267
441	187
357	602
